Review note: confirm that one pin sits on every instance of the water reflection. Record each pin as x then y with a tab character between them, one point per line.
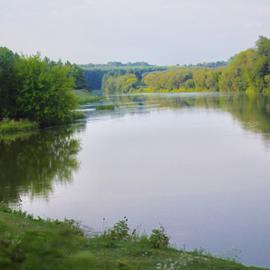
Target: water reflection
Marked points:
32	164
253	112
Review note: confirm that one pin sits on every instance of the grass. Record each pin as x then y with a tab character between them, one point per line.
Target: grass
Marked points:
11	126
85	97
34	243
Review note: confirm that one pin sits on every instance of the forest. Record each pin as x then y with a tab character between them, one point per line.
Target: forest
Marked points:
247	71
95	74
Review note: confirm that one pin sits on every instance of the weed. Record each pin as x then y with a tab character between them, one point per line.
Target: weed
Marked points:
159	238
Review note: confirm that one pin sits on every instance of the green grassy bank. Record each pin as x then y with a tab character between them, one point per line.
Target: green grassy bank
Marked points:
84	97
11	126
28	243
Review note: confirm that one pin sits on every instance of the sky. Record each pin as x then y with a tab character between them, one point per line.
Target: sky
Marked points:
163	32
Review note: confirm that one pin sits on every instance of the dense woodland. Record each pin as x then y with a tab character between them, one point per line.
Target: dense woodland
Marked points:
95	74
248	71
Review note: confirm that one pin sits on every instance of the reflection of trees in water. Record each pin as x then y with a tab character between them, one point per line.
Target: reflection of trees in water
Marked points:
253	112
32	164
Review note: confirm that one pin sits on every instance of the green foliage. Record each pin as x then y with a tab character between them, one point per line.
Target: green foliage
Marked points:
183	78
172	80
7	83
10	126
248	71
77	73
84	97
36	89
95	74
120	231
119	84
239	75
159	238
45	92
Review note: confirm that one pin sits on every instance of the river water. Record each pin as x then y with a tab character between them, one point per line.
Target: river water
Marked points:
198	164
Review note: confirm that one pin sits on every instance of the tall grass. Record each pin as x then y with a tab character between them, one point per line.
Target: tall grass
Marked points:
84	97
8	126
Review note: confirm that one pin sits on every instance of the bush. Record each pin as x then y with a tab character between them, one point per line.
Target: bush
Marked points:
120	230
36	89
159	238
45	91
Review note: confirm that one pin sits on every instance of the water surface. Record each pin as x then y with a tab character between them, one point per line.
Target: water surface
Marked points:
196	163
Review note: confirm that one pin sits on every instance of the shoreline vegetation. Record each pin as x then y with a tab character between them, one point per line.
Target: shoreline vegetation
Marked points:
34	243
47	93
37	89
8	126
15	128
147	90
85	97
11	130
247	72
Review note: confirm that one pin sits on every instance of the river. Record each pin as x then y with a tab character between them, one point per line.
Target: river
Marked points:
197	163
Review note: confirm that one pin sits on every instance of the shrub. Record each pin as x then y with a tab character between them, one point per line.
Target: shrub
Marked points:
120	230
45	91
159	238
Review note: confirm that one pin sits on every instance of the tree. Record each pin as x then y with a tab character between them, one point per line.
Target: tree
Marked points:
117	84
7	83
77	73
45	91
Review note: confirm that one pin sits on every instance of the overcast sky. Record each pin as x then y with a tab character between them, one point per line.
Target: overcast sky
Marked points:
156	31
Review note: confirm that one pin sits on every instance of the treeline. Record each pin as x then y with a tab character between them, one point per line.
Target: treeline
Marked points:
172	79
248	71
37	89
209	64
95	75
183	78
111	64
120	84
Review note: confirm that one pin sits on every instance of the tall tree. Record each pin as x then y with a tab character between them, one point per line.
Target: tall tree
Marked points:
7	82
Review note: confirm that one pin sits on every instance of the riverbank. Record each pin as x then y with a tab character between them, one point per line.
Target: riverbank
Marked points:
179	90
29	243
84	97
11	127
8	126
